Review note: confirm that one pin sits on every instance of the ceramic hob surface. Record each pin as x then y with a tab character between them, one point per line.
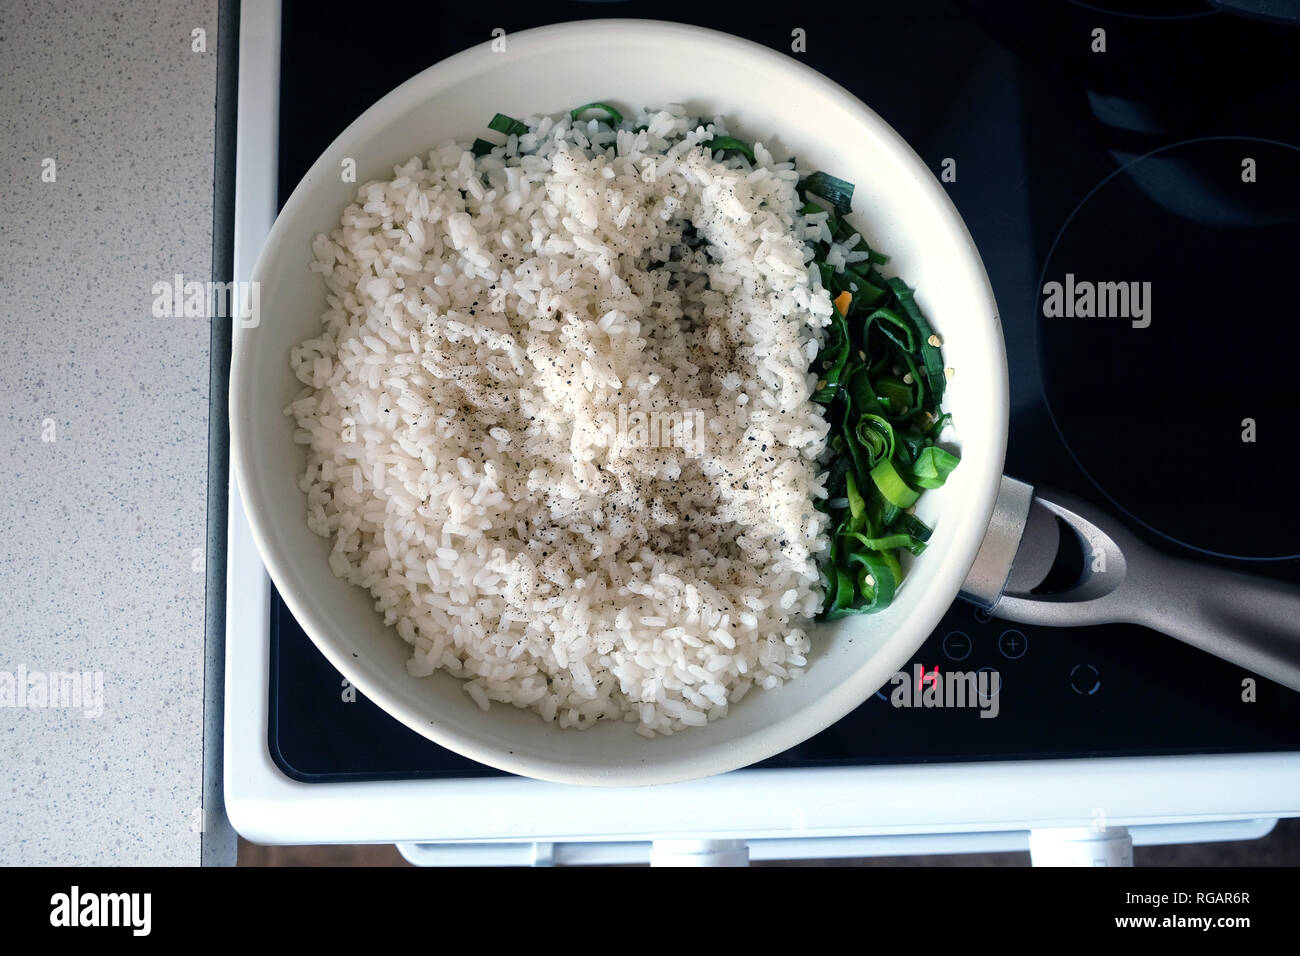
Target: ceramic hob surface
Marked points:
1161	173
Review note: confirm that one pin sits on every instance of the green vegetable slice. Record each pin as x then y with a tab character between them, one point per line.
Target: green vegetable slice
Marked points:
832	360
500	123
932	467
892	485
729	144
835	191
879	574
930	356
614	117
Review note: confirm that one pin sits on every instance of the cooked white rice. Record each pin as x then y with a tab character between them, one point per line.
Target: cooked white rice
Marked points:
470	416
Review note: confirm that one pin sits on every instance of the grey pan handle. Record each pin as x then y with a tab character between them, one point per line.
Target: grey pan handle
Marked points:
1253	622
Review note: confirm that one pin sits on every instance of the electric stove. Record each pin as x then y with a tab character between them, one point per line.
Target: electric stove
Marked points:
1157	160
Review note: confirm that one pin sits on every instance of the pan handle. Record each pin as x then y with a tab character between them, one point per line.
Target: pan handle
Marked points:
1252	621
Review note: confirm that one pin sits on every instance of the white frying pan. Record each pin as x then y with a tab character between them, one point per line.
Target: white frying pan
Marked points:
900	208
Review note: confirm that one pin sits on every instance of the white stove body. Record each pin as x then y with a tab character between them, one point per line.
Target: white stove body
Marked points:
778	814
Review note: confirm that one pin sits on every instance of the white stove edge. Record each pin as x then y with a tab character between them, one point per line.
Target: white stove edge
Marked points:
926	808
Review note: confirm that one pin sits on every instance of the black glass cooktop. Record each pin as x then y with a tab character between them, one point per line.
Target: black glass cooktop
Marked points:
1146	158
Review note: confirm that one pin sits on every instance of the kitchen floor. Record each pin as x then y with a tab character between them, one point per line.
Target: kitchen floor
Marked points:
1279	848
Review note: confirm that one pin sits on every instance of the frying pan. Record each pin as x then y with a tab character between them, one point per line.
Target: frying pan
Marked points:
990	537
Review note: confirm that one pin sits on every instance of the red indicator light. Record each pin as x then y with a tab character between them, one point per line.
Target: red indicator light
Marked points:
933	678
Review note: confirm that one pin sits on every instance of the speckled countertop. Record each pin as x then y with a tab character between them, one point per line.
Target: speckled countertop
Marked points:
103	427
